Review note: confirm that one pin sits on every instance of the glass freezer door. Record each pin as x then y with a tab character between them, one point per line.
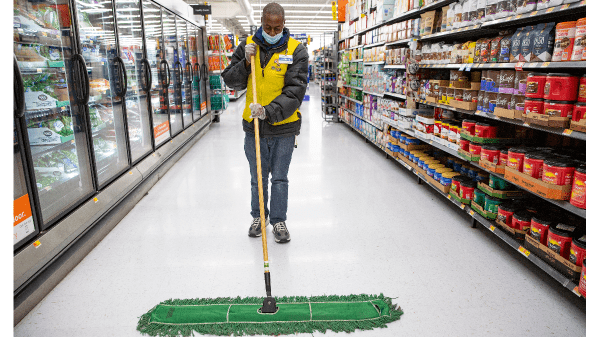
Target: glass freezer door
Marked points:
175	69
56	138
202	41
186	86
106	89
131	45
158	86
25	221
195	85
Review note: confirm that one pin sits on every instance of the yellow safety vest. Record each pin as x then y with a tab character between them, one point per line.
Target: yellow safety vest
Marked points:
269	86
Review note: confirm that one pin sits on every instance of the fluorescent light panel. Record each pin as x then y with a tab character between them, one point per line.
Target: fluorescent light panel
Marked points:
295	5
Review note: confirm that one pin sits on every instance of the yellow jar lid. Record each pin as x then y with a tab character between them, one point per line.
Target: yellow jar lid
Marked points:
443	170
436	166
450	174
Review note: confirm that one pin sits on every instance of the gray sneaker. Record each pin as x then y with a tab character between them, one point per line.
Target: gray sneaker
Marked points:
255	230
281	233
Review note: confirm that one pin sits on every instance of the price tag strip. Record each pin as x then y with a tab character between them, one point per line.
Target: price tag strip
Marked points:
524	251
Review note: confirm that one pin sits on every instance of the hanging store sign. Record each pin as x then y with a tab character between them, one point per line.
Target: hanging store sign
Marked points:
341	10
202	9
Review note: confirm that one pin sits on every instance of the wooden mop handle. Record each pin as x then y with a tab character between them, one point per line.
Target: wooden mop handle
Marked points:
259	173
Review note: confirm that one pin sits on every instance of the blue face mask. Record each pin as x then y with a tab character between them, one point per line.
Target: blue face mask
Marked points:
272	39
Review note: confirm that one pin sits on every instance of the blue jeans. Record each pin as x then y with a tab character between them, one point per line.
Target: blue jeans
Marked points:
276	155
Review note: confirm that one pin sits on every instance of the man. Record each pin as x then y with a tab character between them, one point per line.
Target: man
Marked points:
281	80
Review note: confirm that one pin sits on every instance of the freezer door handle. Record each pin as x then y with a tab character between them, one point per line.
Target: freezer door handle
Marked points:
166	83
180	67
204	72
123	77
19	88
197	71
81	79
148	73
188	69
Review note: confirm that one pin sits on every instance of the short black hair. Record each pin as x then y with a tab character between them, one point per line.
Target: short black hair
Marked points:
273	9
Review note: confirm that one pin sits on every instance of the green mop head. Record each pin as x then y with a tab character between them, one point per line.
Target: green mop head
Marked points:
296	314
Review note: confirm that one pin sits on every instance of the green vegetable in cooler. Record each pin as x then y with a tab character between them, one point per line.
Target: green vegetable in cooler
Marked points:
40	82
44	180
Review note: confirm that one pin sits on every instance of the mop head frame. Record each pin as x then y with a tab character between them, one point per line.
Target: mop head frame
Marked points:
296	314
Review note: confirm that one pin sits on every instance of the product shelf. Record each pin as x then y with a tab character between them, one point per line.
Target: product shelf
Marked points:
372	93
567	283
395	95
566	205
353	61
393	43
359	75
539	15
365	120
376	44
351	99
394	66
564	132
528	65
373	63
357	88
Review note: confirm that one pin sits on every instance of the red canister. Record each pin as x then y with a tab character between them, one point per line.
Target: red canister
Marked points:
468	126
516	157
484	130
561	87
581	96
506	211
467	189
533	164
534	105
558	172
535	85
464	144
540	224
457	181
503	158
558	108
578	112
578	189
490	153
582	280
521	220
577	251
474	149
560	237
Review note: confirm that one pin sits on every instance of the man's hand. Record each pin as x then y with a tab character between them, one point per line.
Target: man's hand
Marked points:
257	111
250	52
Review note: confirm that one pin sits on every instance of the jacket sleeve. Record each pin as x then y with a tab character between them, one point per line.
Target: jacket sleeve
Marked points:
294	88
236	74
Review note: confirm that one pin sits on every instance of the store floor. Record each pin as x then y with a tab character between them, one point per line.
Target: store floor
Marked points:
359	224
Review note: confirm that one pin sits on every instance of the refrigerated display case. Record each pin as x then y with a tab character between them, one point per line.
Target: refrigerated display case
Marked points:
53	83
174	69
192	43
131	45
107	86
157	94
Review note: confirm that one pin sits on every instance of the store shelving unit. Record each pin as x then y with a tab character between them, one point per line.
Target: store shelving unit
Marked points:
326	70
566	12
477	218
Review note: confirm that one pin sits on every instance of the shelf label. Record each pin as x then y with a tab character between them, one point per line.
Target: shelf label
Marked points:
23	218
471	213
567	132
519	66
534	13
492	228
449	196
567	5
549	9
518	16
95	200
545	64
524	251
37	244
526	124
462	206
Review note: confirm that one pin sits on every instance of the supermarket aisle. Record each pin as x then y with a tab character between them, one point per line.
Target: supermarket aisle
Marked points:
359	224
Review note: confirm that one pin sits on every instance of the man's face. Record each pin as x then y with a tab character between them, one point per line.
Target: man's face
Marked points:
272	24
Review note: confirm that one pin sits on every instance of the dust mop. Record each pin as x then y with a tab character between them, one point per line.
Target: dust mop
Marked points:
277	315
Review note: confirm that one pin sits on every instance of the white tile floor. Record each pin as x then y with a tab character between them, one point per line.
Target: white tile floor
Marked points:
358	222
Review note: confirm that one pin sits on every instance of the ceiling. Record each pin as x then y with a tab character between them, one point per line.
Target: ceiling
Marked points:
302	16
